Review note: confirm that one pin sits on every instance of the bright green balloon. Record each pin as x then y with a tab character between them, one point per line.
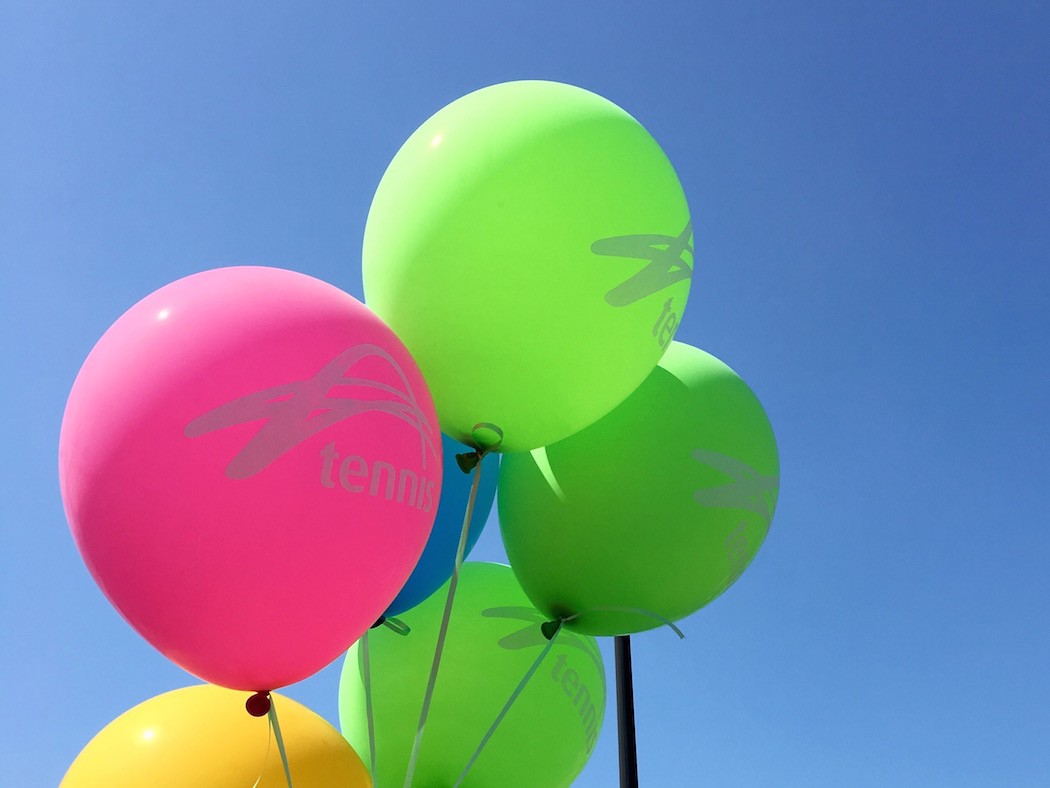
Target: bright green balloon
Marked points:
659	506
493	638
531	245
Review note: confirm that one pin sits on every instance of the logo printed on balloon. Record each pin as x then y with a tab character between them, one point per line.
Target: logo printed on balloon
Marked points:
666	263
749	489
299	410
356	476
532	637
667	266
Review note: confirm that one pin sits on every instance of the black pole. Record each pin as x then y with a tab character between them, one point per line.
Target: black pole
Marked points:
625	713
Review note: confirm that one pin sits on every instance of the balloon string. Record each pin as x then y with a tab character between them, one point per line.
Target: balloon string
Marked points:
638	610
443	629
506	707
396	625
266	758
272	714
366	667
550	631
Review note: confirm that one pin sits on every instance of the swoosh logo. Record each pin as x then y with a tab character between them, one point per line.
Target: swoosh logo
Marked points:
748	490
665	255
296	411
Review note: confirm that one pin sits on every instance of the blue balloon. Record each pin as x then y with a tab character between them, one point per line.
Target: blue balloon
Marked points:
439	556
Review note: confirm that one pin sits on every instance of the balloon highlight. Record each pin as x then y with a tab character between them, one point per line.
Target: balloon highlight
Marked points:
235	447
532	246
202	736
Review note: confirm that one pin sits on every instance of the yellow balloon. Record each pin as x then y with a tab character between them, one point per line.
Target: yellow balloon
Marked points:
203	737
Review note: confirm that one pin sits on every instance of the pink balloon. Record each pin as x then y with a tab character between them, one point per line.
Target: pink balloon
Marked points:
250	462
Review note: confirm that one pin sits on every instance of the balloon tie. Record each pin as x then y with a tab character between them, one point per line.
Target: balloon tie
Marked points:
513	697
487	438
272	714
609	609
397	626
366	669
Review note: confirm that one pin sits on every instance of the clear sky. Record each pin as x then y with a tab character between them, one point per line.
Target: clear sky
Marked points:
870	184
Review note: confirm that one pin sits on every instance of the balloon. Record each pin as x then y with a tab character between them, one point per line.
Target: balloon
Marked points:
249	466
494	638
657	507
202	736
435	565
531	245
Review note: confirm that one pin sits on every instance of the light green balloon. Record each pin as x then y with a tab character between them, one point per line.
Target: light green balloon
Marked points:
493	638
659	506
531	245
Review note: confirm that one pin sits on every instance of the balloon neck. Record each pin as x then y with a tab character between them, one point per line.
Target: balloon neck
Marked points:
258	705
379	622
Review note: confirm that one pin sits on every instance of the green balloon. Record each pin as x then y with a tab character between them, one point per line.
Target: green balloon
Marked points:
531	245
658	507
494	637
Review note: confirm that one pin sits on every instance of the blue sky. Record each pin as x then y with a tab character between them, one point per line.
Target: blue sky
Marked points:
870	186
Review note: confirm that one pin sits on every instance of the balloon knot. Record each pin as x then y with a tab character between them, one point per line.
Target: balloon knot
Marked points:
485	438
467	462
258	705
379	622
550	628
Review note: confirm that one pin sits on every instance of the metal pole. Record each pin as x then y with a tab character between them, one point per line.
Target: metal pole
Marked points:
625	713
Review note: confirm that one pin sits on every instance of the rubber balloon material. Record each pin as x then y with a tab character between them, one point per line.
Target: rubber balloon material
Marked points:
494	638
658	507
236	447
202	736
532	246
435	565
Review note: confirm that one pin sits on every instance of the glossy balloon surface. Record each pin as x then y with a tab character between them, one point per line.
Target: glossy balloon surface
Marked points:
250	463
655	509
203	737
532	246
494	638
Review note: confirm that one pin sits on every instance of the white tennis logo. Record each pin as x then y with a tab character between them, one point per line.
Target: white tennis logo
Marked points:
299	410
